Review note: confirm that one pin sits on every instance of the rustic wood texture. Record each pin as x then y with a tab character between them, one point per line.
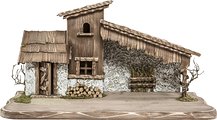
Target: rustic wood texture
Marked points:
49	77
151	45
85	46
44	79
86	59
142	84
55	79
36	78
85	10
95	77
44	46
81	90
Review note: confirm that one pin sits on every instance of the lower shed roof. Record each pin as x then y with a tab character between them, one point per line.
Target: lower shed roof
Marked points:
44	46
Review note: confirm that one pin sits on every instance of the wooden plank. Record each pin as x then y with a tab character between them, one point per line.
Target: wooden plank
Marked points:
96	77
71	34
98	43
93	68
185	61
36	78
77	67
55	79
49	78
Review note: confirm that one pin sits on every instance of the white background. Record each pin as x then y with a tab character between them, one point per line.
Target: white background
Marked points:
189	23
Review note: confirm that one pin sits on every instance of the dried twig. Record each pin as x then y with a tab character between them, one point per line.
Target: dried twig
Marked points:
194	75
17	76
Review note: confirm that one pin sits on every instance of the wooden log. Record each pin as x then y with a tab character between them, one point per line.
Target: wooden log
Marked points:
100	95
72	95
96	89
94	95
81	89
89	92
85	87
87	95
77	84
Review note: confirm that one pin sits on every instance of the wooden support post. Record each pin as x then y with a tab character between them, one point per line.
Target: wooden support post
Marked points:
77	68
55	87
36	78
49	78
94	68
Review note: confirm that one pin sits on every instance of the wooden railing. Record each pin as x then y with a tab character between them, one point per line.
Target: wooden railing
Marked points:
142	84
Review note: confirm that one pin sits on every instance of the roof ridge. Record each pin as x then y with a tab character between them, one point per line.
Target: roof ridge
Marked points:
84	10
136	33
44	30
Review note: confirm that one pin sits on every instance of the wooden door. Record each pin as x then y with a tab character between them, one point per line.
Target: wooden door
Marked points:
44	78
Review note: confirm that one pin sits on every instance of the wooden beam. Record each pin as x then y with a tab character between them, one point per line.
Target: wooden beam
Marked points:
55	87
49	78
36	78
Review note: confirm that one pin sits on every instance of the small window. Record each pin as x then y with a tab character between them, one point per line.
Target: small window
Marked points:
86	28
85	67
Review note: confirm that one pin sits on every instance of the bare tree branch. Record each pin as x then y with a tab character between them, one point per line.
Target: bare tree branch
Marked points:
194	75
17	76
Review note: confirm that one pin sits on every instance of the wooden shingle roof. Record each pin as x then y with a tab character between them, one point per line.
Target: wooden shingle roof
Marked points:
85	10
44	46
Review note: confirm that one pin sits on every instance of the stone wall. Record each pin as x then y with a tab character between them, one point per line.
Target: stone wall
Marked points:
62	78
167	77
117	66
116	77
118	62
29	79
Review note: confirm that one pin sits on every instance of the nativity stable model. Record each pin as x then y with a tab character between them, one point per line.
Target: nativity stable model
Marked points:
102	54
101	70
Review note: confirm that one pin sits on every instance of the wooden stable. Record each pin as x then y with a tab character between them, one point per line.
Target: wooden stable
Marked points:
81	47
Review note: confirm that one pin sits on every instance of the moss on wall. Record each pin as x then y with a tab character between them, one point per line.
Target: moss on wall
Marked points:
139	64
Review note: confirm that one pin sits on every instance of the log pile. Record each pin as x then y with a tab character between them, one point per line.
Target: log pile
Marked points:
82	91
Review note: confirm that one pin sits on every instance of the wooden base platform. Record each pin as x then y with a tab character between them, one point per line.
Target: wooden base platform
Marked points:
115	106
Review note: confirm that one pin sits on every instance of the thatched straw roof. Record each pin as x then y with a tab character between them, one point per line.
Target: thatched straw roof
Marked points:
85	10
44	46
138	36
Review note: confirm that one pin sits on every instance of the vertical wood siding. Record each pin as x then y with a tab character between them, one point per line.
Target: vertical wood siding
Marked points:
85	46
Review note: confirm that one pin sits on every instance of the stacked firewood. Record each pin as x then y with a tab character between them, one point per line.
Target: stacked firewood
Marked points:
81	90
